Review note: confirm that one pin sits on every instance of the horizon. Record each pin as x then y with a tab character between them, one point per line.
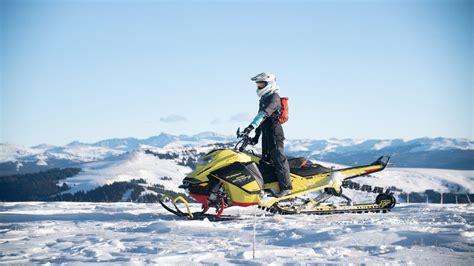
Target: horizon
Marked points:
88	70
224	135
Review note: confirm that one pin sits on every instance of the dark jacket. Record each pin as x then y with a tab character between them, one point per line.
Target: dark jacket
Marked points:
270	105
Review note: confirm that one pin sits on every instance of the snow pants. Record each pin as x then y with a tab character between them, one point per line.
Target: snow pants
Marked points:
273	151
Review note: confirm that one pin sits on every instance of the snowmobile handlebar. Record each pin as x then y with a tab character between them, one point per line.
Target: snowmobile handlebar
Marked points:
244	141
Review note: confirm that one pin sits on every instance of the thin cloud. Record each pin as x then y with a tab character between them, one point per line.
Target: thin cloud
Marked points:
173	119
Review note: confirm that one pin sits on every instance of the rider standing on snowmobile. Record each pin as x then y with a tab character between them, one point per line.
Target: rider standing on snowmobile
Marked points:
267	124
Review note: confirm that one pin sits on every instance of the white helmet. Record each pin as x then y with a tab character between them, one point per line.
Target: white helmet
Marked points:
270	80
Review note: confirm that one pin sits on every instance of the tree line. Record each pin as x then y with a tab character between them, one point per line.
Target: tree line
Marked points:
36	186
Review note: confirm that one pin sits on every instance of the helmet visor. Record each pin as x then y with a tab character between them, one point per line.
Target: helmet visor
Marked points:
261	84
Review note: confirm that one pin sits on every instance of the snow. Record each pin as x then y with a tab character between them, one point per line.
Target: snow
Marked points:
126	195
77	152
416	179
382	144
147	191
182	143
420	179
319	147
41	160
83	153
41	153
60	232
296	146
18	166
44	147
205	148
11	152
134	165
446	144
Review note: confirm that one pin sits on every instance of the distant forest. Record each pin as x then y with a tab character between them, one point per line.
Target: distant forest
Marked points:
43	186
34	187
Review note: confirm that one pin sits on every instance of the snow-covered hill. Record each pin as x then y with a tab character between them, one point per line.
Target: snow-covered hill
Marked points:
12	152
126	233
134	165
417	179
85	152
358	145
19	159
346	151
76	152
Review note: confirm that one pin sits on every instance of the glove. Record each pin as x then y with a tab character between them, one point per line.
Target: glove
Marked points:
247	130
254	140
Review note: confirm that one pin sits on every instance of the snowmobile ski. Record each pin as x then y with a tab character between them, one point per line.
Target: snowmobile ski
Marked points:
188	214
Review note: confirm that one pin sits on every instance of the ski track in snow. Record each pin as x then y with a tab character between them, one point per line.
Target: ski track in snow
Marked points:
60	232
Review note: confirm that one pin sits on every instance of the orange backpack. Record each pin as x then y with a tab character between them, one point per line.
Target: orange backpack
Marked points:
283	116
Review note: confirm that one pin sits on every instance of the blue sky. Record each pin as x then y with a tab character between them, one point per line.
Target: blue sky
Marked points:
90	70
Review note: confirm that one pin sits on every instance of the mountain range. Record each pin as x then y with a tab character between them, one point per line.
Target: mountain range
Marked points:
445	153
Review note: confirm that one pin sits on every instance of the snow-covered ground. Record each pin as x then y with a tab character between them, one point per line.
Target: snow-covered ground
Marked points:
59	232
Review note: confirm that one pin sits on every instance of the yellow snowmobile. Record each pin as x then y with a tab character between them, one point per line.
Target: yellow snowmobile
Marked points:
235	177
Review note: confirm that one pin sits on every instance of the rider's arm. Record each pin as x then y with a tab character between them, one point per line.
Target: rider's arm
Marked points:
267	111
258	119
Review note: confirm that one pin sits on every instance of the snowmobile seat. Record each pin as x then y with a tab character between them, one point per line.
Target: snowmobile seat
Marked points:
299	162
304	167
298	166
314	169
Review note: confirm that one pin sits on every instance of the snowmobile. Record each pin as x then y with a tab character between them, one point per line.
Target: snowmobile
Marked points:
236	177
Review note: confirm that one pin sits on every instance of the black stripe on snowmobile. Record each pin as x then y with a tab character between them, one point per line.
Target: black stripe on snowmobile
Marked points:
240	174
246	191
